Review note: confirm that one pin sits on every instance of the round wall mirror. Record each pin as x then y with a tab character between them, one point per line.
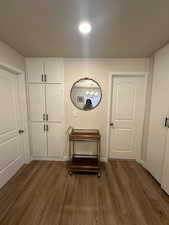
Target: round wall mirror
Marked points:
86	94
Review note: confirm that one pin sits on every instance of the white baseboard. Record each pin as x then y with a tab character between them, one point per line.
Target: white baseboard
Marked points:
103	159
64	158
140	161
10	170
47	158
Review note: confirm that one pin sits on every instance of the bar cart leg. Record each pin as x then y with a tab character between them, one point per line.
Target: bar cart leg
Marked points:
98	151
70	153
73	148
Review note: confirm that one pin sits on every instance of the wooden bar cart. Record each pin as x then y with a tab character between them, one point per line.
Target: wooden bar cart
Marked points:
84	162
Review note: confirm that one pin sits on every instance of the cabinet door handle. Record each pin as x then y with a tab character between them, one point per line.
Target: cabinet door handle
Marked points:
45	78
47	127
21	131
43	116
47	117
42	78
44	127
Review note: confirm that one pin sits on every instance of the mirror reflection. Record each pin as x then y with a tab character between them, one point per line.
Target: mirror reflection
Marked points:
86	94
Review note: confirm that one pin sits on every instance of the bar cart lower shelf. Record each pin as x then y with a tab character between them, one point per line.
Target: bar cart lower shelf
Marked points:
84	163
88	165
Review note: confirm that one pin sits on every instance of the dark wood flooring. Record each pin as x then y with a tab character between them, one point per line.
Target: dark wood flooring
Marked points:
42	193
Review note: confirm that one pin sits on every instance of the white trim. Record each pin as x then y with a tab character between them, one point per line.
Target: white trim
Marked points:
102	60
141	162
7	173
111	75
46	158
24	116
23	107
11	68
64	158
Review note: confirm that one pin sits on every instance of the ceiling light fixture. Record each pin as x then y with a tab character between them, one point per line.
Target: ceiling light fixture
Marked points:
85	28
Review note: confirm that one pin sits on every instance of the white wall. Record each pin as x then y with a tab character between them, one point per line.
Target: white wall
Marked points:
11	57
100	71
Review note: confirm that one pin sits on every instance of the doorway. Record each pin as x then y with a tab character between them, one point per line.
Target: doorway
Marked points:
126	116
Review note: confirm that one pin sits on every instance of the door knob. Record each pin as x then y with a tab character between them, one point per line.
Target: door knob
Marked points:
111	124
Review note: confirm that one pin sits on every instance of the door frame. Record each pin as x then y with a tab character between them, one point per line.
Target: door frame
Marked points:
23	106
110	89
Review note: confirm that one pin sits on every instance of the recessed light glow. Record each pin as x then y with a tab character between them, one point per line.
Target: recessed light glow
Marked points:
85	28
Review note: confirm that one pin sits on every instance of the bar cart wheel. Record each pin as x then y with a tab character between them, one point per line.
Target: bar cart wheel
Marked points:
99	174
70	172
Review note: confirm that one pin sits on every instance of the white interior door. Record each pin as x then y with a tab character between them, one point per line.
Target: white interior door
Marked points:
165	173
54	70
159	110
37	102
38	140
127	117
11	150
55	102
55	140
35	69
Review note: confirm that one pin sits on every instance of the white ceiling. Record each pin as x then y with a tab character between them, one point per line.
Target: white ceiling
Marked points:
121	28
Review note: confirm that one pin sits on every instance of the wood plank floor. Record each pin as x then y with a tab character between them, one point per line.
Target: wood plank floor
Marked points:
42	193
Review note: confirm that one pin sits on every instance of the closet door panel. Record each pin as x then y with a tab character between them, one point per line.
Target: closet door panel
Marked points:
55	140
55	102
54	70
37	102
159	110
35	70
38	140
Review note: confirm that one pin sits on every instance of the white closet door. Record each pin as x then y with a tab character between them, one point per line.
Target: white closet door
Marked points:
54	70
55	102
35	69
55	140
37	102
159	110
11	149
38	140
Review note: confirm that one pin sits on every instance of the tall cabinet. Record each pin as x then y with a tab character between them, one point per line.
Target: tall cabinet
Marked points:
45	81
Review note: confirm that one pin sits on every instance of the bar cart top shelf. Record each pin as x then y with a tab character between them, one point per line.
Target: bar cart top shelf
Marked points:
84	135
